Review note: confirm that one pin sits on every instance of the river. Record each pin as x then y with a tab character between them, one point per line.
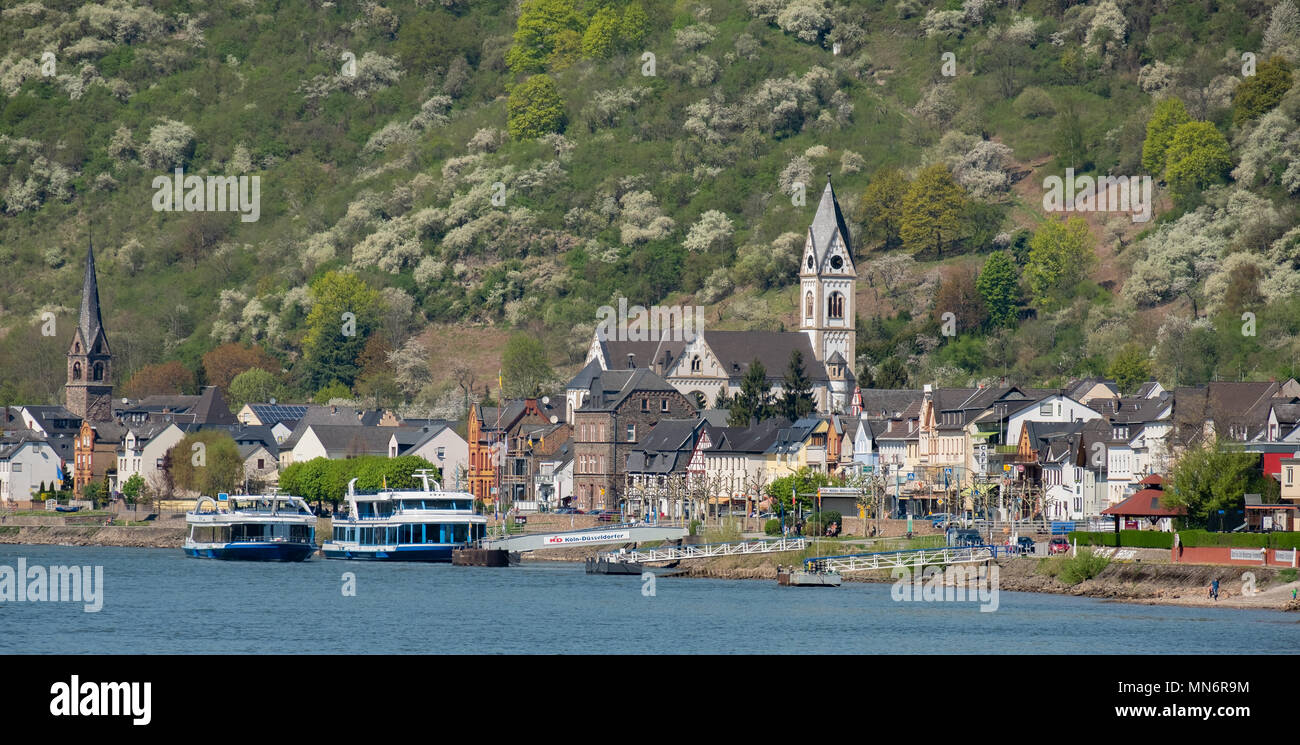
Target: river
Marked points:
160	601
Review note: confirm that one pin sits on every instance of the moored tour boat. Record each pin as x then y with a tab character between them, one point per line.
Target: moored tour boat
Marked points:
423	524
251	528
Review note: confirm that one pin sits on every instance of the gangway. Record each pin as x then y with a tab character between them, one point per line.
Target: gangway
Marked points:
907	559
625	533
709	550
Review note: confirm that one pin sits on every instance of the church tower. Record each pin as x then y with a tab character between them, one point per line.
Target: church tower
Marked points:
89	390
827	282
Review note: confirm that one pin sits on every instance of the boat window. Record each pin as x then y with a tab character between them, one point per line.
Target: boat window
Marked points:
461	533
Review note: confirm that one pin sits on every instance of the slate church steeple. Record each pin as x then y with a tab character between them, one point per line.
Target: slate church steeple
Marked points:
828	282
89	390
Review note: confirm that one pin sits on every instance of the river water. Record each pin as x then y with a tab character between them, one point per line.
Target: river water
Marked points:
160	601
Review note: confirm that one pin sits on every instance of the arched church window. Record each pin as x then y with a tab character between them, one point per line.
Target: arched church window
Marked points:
99	371
808	305
76	371
696	365
835	306
76	347
810	261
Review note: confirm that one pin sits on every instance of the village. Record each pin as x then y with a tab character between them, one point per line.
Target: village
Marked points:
700	425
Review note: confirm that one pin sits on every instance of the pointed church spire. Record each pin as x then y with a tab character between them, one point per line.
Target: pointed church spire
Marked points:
89	320
827	221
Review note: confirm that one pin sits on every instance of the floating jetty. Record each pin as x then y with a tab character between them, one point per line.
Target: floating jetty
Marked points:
608	566
480	557
791	577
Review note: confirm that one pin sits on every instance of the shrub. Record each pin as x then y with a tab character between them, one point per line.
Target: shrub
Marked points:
817	523
1197	538
1033	102
772	527
1085	566
535	109
1127	538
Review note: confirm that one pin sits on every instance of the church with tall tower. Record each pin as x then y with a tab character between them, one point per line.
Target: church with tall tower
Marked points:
89	390
714	362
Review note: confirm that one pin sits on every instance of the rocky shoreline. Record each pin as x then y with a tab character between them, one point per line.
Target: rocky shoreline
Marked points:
144	536
1145	582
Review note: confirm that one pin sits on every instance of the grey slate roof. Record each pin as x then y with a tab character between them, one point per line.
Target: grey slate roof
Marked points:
89	321
826	222
735	350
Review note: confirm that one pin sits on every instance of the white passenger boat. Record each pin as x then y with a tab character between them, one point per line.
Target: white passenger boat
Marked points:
422	524
251	528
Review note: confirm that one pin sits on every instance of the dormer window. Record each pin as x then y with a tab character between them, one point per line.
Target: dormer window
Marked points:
696	365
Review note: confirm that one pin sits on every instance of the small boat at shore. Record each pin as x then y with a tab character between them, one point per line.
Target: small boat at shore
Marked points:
251	528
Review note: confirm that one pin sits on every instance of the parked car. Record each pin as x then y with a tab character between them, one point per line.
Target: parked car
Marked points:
1058	545
568	511
939	520
607	516
1025	544
962	537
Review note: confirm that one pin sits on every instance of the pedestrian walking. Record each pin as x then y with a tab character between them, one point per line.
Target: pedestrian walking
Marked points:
1214	589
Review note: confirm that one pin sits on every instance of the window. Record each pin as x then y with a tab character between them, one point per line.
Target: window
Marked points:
1045	409
663	404
442	453
645	404
76	371
695	364
808	299
18	468
261	463
631	433
835	306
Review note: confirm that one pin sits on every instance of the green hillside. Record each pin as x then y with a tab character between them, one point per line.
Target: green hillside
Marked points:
453	172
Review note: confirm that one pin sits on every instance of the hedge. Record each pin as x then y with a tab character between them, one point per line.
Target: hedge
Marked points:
1194	538
1127	538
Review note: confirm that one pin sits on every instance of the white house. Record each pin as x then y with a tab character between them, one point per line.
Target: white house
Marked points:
25	464
441	446
143	449
1057	408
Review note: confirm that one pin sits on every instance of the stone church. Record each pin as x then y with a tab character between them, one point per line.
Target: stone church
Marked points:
716	361
89	390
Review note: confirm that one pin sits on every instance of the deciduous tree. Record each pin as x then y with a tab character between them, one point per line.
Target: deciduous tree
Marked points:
932	210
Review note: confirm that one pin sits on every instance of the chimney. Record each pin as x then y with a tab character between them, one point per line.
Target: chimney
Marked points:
631	361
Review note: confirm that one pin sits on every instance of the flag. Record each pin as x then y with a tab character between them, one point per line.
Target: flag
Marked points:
58	471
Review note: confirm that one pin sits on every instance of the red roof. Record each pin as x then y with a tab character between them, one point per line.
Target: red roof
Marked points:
1154	479
1145	503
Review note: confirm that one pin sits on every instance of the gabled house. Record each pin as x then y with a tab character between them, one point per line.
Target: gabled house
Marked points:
95	453
143	450
489	435
26	462
440	445
622	407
